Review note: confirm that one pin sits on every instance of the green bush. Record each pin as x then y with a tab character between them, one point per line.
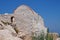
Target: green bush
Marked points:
48	37
40	37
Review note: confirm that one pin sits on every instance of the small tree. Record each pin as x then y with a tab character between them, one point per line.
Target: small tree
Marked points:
59	35
48	36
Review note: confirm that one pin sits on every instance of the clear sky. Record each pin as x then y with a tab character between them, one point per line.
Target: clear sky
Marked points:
48	9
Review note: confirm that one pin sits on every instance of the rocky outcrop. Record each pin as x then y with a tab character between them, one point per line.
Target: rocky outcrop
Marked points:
21	25
28	21
6	35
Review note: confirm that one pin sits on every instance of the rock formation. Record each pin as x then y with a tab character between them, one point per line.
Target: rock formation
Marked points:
21	24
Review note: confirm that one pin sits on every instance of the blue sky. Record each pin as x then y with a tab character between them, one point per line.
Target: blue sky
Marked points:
48	9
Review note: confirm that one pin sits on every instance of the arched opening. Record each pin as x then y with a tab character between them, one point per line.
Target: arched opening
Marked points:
12	19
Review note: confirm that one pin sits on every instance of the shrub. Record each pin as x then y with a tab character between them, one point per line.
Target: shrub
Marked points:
40	37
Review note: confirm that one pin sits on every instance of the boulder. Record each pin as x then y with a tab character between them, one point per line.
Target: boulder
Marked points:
6	35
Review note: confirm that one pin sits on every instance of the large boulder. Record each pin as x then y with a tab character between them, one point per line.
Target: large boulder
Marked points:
6	35
28	21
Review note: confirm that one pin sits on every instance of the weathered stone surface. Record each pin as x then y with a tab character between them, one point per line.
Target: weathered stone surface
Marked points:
28	21
21	24
6	35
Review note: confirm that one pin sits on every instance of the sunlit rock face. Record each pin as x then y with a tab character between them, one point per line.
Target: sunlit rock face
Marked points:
28	21
6	35
5	17
22	24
